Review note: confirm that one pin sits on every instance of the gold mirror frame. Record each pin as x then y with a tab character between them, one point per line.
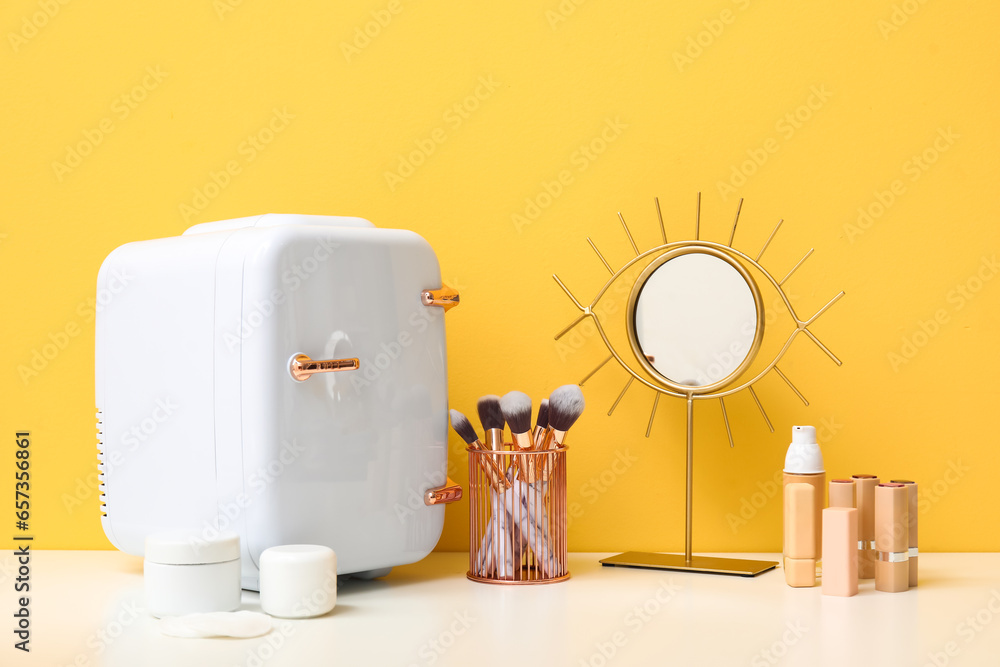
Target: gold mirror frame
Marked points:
633	301
720	390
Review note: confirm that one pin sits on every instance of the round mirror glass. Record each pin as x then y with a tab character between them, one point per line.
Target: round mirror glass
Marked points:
695	318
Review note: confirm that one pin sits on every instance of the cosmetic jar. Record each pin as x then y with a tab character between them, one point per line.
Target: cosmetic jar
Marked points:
298	580
186	574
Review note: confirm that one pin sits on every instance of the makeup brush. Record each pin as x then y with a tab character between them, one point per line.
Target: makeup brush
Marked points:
491	417
467	432
516	409
541	422
565	407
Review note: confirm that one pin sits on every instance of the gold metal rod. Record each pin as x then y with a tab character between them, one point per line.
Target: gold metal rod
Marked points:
599	367
823	309
603	261
568	293
656	402
823	347
790	385
768	241
628	233
732	234
690	479
659	216
697	219
621	395
761	408
796	267
725	418
572	324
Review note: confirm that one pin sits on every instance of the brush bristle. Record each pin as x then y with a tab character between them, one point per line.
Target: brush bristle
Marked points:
463	427
565	407
516	409
490	414
542	421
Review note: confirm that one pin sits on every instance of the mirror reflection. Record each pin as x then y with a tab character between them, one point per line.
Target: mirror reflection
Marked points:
695	319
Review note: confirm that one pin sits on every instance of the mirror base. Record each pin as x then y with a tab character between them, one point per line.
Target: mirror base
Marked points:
705	564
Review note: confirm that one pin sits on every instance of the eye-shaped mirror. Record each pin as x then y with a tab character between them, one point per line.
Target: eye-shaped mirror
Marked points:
695	319
695	322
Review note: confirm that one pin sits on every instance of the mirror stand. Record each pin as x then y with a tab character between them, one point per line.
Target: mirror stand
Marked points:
688	562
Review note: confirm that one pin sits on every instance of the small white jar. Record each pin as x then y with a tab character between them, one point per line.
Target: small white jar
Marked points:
298	580
185	574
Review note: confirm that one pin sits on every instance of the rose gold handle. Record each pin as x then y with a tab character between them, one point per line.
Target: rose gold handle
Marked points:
445	297
442	495
302	367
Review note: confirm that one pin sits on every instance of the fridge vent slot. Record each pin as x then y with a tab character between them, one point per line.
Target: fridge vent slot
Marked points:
101	477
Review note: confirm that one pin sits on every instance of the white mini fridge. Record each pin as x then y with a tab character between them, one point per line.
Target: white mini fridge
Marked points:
283	377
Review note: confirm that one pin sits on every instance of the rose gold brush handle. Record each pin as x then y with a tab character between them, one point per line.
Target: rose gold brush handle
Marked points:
301	367
498	480
527	466
542	464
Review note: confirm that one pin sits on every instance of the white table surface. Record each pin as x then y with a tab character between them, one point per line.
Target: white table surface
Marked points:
86	609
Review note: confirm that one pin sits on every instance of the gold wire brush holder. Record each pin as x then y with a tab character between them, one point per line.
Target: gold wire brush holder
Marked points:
652	377
518	519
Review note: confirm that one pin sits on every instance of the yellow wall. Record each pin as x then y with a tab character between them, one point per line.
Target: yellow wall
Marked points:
841	106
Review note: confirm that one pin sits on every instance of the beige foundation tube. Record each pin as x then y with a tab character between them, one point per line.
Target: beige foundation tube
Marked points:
865	500
892	523
817	482
840	551
911	495
842	493
800	535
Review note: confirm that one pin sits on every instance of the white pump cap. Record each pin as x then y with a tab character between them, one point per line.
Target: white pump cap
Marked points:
804	457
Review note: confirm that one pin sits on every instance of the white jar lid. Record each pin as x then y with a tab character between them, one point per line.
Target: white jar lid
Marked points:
188	548
298	580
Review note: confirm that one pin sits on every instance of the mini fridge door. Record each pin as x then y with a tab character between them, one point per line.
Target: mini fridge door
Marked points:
343	459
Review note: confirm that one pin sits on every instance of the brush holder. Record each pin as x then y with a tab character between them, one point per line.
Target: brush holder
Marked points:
518	516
